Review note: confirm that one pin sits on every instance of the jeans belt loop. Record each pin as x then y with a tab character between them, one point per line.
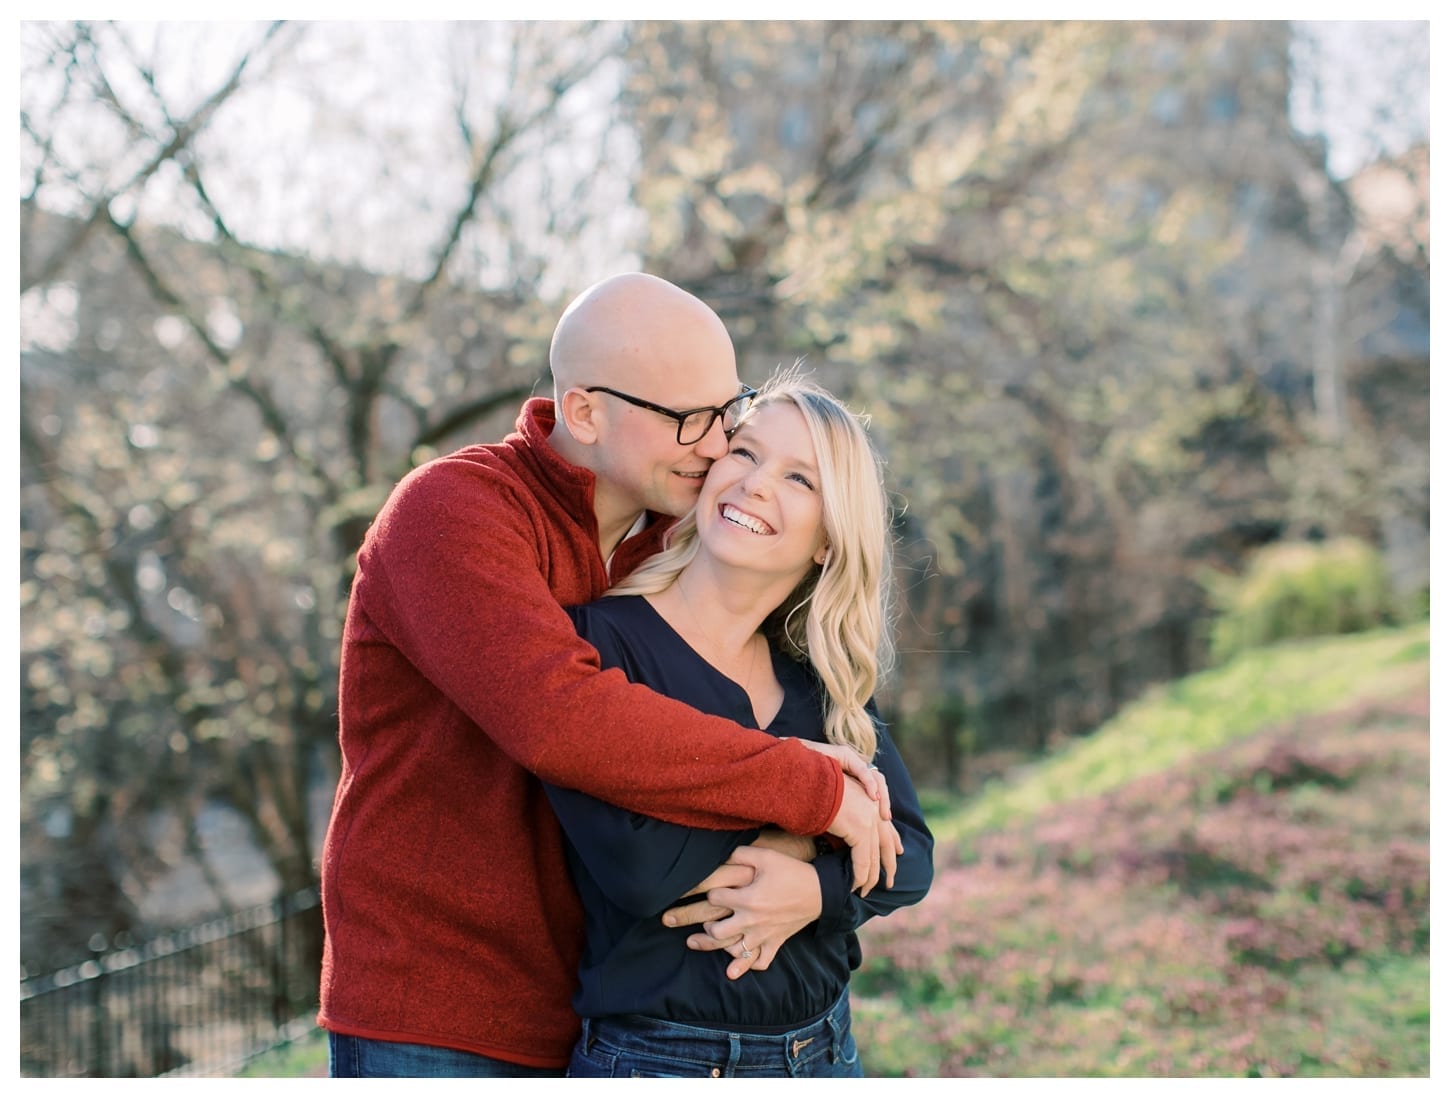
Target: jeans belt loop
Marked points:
734	1062
834	1021
589	1037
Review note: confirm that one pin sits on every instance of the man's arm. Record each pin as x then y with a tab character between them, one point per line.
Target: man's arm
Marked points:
453	576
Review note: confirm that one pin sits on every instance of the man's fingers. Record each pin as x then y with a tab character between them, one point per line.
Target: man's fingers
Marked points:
884	794
856	823
701	911
701	908
707	943
873	871
860	865
732	873
869	864
890	848
743	862
851	762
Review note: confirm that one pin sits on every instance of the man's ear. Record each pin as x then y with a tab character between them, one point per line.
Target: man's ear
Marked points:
576	412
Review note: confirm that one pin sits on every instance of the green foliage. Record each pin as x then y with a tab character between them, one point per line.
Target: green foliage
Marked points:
1297	589
937	736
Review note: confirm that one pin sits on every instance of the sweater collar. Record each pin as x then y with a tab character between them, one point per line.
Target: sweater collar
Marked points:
573	485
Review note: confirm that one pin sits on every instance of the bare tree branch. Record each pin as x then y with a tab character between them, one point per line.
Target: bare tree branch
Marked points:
182	135
487	162
253	391
246	258
464	414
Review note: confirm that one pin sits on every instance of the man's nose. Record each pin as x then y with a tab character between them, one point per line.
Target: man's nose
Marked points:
715	443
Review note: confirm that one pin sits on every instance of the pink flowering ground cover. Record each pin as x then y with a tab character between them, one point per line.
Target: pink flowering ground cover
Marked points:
1260	910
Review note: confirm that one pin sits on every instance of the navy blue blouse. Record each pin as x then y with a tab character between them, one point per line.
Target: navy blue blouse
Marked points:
629	868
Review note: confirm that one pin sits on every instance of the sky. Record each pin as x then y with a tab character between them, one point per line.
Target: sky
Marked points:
1370	105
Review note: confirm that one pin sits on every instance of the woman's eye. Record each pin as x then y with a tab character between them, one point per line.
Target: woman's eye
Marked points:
801	478
742	452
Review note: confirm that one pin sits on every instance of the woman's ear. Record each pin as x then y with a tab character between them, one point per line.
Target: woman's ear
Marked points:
823	554
576	412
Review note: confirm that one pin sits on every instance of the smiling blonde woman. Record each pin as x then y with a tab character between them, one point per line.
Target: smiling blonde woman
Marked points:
768	605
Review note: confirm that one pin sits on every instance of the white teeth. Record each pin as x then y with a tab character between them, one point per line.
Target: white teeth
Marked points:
740	518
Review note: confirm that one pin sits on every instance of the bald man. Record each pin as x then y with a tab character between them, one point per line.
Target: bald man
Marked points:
453	931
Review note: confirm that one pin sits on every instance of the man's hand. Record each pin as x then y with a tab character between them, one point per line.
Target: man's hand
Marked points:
769	896
855	766
800	847
891	849
860	825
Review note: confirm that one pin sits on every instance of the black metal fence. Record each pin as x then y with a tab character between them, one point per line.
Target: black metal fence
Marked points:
198	1001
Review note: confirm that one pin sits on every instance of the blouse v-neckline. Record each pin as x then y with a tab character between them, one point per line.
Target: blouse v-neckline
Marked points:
720	675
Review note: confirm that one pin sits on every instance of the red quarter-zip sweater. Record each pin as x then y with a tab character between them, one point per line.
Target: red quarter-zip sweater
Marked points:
450	916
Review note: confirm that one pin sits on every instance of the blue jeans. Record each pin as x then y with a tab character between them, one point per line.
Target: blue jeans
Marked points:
364	1058
633	1047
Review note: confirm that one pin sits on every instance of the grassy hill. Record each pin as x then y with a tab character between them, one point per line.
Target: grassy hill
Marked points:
1229	879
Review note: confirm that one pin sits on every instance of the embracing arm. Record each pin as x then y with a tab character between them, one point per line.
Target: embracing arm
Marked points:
757	896
742	899
641	863
453	578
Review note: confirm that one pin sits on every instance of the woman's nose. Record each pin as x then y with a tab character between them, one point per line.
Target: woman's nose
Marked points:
757	483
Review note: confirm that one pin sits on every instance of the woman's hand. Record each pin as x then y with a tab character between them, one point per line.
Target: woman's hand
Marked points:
731	874
752	904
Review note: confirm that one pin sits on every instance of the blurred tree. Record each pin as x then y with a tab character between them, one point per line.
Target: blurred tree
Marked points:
1065	266
1364	468
208	426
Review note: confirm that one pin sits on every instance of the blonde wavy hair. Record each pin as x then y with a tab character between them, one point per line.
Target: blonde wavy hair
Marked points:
837	618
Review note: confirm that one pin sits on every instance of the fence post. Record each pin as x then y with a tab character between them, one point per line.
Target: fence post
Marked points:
98	1065
282	913
180	1007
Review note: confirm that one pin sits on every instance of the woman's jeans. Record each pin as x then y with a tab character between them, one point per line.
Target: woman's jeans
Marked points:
363	1058
644	1048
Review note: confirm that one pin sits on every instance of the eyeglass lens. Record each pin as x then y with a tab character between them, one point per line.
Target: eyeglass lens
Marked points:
695	427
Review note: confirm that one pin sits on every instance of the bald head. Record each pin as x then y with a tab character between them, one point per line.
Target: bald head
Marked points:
641	331
646	341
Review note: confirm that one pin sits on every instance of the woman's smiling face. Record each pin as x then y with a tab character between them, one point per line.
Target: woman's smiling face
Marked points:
761	506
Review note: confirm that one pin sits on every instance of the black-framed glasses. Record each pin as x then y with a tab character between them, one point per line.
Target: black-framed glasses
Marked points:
693	424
